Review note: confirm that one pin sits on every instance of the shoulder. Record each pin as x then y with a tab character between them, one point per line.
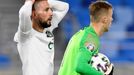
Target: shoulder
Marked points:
89	41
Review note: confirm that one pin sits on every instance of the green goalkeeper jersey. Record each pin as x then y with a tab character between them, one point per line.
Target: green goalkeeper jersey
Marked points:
82	46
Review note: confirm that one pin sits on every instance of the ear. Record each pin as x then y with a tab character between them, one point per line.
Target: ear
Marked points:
33	14
104	19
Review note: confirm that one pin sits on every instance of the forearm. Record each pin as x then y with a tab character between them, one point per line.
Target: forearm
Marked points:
58	5
59	10
25	16
83	67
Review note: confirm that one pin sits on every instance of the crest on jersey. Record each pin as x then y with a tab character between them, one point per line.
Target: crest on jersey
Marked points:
49	34
90	46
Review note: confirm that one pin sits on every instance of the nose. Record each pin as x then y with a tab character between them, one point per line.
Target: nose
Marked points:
111	19
50	12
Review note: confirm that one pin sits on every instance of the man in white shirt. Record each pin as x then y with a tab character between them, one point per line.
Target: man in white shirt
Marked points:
35	40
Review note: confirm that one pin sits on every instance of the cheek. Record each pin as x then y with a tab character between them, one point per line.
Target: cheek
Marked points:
41	14
109	21
43	17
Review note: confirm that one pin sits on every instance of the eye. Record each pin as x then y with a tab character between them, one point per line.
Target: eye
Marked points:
46	9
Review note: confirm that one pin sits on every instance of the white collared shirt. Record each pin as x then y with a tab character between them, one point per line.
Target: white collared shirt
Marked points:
36	49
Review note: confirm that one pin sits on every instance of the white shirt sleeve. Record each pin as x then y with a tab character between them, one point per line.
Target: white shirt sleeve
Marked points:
59	11
25	24
25	12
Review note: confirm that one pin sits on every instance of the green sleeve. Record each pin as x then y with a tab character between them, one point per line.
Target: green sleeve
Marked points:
82	65
88	46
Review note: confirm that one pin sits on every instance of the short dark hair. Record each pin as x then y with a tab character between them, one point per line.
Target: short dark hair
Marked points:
98	8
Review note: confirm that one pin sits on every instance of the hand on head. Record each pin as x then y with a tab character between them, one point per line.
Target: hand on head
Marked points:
37	0
30	0
33	1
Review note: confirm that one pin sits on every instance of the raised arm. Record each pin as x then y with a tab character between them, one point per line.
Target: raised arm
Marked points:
25	24
59	11
25	12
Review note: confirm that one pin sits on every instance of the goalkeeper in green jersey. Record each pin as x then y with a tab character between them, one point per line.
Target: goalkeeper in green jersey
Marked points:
85	43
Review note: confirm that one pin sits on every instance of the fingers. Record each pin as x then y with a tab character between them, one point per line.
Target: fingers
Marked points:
109	69
33	1
111	73
30	0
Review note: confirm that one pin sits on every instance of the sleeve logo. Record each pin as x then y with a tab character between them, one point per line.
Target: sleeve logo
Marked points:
90	46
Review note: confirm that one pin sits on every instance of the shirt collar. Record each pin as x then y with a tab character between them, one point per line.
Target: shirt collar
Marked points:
91	29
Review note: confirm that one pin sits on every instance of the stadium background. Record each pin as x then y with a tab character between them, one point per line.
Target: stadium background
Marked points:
117	44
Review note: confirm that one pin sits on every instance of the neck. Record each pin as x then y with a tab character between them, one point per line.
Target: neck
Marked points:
97	28
37	27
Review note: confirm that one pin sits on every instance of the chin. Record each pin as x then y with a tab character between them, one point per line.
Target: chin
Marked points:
49	25
106	30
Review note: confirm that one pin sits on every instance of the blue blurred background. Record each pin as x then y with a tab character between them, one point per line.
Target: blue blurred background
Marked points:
117	44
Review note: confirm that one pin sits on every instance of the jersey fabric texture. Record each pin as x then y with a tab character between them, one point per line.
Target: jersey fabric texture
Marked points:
82	46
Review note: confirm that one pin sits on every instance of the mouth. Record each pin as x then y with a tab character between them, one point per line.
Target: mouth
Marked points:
49	19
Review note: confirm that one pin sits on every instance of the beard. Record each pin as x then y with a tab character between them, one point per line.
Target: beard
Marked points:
43	24
105	29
